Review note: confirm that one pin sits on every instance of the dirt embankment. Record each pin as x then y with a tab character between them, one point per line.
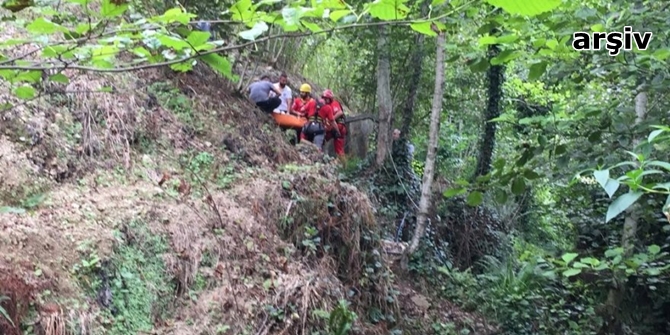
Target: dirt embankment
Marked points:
172	206
174	193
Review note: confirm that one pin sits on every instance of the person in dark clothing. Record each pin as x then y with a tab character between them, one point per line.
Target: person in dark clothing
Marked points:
259	92
206	27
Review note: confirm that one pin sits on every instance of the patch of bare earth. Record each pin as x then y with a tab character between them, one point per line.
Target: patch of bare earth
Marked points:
252	267
422	307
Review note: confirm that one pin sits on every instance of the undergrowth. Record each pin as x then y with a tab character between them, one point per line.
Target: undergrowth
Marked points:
132	286
170	98
335	222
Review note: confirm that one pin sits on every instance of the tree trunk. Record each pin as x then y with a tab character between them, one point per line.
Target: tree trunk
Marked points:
495	75
416	62
384	98
433	136
615	296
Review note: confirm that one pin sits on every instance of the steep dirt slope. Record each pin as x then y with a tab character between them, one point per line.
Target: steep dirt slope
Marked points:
172	206
95	206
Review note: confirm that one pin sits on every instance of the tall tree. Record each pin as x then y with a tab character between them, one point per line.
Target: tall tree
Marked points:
384	97
495	74
429	170
416	62
615	323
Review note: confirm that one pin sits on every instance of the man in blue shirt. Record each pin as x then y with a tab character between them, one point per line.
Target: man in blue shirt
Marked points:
259	92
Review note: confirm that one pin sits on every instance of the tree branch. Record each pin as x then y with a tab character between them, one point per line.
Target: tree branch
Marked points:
41	66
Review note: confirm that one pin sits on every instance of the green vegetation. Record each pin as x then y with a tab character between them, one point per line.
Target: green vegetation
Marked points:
134	283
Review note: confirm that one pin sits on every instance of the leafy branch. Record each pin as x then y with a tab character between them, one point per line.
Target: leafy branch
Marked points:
634	178
166	40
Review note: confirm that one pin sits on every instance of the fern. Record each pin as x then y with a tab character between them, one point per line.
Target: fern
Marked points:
341	319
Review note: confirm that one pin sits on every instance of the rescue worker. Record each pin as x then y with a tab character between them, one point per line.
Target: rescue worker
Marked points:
338	115
302	106
286	96
259	92
320	122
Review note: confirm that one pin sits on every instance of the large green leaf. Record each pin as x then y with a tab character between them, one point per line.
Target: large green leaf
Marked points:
28	77
338	14
654	134
172	42
611	187
661	164
537	70
424	28
387	10
452	192
526	7
571	272
488	39
243	11
602	176
258	29
44	26
197	38
313	27
518	185
59	78
111	8
500	196
17	5
506	39
505	56
661	54
621	204
220	64
291	16
569	257
25	92
478	65
475	198
175	15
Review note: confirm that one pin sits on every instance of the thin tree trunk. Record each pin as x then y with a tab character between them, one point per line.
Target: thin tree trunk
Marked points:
615	324
240	83
495	75
384	98
414	81
279	53
429	169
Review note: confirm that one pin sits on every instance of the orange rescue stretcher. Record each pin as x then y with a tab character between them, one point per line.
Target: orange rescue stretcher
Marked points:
289	121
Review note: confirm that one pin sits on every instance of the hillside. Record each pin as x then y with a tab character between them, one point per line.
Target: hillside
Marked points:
163	203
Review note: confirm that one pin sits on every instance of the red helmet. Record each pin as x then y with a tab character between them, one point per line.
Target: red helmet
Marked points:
327	94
